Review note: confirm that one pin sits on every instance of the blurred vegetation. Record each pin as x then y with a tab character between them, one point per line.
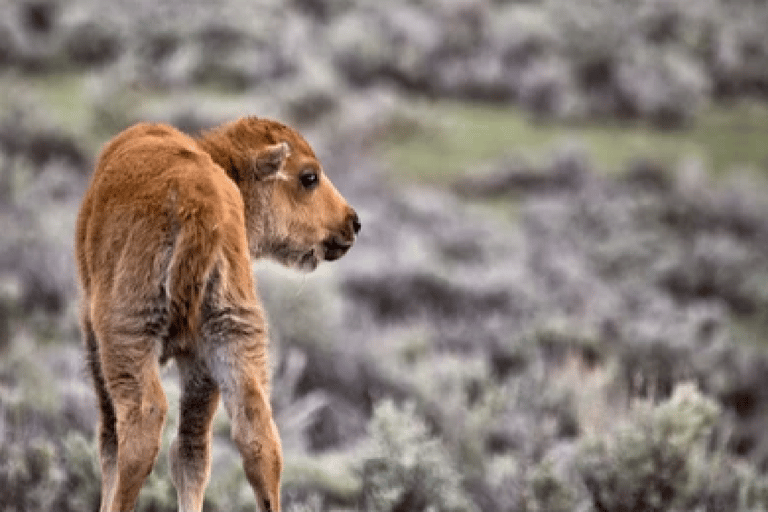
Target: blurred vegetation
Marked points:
662	460
408	469
441	140
559	300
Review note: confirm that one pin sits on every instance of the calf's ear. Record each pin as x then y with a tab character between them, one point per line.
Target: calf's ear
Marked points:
270	160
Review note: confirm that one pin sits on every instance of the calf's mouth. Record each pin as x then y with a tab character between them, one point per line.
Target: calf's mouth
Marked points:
334	248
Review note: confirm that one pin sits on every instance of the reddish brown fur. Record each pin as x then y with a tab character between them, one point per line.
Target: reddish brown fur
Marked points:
165	238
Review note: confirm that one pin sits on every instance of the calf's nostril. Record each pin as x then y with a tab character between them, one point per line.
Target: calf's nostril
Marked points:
356	223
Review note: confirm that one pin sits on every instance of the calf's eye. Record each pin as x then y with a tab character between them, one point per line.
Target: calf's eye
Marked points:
309	180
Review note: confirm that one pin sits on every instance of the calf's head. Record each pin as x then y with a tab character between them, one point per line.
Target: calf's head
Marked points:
293	212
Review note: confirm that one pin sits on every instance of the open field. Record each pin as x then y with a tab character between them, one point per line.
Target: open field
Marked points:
431	141
559	299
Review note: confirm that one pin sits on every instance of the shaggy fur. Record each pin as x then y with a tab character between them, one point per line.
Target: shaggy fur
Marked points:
165	238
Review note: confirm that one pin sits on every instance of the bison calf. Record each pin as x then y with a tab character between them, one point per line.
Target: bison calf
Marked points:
165	238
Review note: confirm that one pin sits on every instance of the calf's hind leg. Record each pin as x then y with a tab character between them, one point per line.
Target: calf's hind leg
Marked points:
131	372
236	354
107	421
190	453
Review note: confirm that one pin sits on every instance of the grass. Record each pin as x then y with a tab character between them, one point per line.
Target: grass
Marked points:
430	142
85	108
63	96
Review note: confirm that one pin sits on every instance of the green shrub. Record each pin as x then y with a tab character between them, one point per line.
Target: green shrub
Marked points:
549	491
29	475
664	85
82	488
408	469
662	460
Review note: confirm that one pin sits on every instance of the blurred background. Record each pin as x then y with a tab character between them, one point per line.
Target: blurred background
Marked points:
559	298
